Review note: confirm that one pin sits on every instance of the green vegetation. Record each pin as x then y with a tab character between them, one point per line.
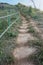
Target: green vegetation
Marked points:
7	44
8	41
39	55
36	14
38	44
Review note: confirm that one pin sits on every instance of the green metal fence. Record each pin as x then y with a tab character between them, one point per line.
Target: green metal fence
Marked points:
7	21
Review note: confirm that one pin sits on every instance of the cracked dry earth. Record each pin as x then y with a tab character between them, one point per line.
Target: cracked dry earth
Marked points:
23	52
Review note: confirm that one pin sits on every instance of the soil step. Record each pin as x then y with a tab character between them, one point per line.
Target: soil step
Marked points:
23	30
25	21
23	52
23	27
25	24
24	38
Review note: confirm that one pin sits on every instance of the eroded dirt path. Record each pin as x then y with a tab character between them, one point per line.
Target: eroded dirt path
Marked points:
23	52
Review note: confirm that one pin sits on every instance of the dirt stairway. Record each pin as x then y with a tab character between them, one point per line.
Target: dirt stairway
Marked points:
23	52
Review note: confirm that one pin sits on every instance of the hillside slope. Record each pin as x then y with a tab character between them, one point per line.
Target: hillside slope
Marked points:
8	41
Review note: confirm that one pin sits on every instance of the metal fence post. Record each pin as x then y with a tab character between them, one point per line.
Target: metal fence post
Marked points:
9	20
